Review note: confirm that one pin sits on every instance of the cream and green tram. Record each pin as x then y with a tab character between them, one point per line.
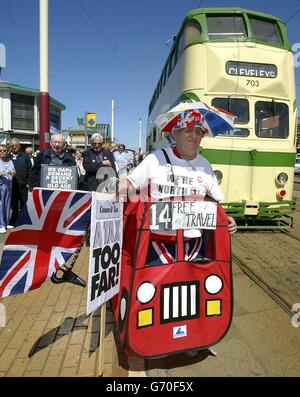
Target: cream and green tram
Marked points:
240	61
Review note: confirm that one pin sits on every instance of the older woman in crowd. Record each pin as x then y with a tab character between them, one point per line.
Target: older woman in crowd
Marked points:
7	172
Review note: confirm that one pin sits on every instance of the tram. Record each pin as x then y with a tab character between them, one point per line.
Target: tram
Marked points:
240	61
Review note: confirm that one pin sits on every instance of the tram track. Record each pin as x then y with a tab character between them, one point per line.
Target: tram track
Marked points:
289	234
270	259
263	285
297	186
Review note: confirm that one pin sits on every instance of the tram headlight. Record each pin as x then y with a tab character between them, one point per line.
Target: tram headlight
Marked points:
282	178
218	175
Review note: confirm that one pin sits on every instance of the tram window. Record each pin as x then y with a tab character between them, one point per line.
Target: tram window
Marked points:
238	107
171	62
265	31
154	134
192	31
226	27
271	120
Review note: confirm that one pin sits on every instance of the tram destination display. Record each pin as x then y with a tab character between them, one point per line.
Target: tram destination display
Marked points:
250	69
59	177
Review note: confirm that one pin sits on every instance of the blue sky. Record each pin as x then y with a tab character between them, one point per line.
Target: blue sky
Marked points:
101	50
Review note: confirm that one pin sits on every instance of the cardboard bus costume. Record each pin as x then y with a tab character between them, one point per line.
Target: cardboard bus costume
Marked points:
175	307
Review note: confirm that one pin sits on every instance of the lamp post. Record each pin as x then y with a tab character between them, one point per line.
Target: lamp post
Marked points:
44	101
140	137
112	121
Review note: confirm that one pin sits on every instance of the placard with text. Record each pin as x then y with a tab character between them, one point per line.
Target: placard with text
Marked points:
59	177
105	250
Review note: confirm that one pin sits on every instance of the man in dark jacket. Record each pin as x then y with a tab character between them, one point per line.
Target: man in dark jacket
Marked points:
56	155
22	166
95	158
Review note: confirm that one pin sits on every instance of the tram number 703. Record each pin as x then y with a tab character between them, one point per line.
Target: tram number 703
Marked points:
253	83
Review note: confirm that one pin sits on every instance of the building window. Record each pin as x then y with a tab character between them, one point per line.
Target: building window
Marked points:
22	112
54	119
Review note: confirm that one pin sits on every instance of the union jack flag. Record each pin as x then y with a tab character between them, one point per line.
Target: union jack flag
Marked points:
48	231
160	253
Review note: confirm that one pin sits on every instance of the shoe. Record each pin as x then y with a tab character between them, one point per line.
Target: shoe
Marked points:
2	230
9	227
191	353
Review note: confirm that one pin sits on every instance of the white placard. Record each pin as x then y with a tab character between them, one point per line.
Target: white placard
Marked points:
174	215
105	250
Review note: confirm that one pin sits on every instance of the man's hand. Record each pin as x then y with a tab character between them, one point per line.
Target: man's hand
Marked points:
231	225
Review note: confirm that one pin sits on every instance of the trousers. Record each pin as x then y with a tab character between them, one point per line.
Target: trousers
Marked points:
5	202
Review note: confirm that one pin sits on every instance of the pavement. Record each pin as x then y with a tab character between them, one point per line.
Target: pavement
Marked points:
48	334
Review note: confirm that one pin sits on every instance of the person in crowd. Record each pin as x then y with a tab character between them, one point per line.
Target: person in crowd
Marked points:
7	172
106	146
113	147
80	168
139	157
29	152
69	149
123	160
95	158
20	182
55	155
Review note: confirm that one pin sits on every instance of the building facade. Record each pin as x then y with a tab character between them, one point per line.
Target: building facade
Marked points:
19	114
80	136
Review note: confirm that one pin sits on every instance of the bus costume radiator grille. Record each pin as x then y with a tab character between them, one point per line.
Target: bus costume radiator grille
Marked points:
179	301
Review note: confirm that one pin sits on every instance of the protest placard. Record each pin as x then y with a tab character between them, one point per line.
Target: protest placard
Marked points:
174	215
105	250
59	177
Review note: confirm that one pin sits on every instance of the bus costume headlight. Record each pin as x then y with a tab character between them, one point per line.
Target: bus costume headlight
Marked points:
282	178
145	294
219	176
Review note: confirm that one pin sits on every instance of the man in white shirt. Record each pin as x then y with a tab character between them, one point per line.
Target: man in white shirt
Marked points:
189	174
177	171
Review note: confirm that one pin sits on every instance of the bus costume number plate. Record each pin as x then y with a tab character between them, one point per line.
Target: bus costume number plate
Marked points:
174	215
